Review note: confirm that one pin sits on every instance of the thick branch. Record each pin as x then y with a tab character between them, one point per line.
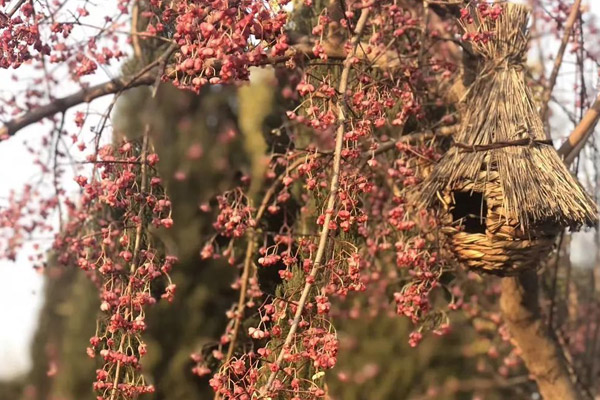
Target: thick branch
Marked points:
577	139
559	57
65	103
544	360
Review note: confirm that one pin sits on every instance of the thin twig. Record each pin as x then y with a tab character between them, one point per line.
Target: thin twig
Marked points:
55	172
248	257
554	282
559	58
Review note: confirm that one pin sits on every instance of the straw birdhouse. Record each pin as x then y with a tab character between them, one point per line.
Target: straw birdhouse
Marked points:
506	191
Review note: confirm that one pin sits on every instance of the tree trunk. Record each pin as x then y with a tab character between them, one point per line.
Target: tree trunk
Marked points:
539	350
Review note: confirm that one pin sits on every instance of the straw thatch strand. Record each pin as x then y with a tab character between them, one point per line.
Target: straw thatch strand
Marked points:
502	153
503	248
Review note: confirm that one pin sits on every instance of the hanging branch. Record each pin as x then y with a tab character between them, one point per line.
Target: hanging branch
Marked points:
248	259
252	234
303	48
331	201
522	314
136	249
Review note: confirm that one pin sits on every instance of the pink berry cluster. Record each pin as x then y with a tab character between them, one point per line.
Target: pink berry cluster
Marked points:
315	351
26	35
235	215
20	38
108	237
218	41
24	216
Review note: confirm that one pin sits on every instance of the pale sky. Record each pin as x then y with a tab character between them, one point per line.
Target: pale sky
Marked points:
22	289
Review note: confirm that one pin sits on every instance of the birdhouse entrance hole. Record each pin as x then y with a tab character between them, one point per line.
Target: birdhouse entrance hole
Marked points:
469	211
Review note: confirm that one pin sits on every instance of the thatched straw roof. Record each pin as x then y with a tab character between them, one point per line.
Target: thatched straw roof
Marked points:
501	130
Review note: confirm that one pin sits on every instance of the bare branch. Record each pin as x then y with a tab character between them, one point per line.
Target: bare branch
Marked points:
387	60
135	37
559	58
141	78
15	8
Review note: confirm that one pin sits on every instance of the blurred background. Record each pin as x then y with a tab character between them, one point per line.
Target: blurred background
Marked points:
205	143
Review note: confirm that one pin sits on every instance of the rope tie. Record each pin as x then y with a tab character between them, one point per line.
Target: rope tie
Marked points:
473	148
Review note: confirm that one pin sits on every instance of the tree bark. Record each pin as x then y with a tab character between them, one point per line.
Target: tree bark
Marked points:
539	350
